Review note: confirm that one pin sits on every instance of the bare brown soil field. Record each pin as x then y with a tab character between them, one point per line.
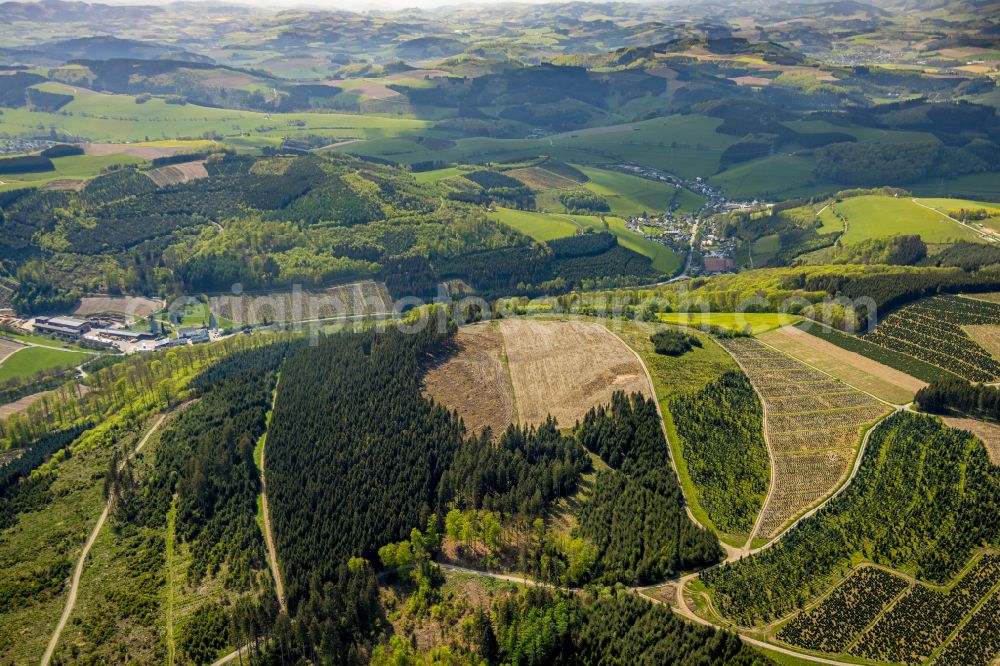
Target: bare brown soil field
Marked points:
8	347
564	368
813	425
144	152
369	89
472	379
540	179
987	337
64	184
968	52
751	81
134	306
989	433
175	174
880	380
356	298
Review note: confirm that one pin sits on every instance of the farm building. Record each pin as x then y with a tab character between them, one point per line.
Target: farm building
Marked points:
719	264
63	327
195	335
129	336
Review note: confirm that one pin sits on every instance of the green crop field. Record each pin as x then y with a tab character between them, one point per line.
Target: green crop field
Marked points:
881	216
759	322
30	360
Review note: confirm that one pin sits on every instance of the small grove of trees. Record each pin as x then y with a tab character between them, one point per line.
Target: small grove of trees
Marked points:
671	342
955	395
585	201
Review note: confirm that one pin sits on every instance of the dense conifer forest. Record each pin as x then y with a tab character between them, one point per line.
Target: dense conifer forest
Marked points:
636	515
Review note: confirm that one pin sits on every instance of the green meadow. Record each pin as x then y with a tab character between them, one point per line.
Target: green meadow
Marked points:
629	195
881	216
686	145
76	167
539	226
28	361
550	226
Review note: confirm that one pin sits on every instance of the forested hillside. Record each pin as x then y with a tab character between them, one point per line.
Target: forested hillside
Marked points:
274	222
636	514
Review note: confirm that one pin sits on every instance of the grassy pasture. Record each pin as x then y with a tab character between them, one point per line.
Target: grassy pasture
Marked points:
675	375
41	341
434	176
629	195
30	360
881	216
539	226
686	145
973	186
75	167
951	207
664	260
773	176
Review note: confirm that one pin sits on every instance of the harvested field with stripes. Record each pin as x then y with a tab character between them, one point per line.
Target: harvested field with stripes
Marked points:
813	425
564	368
175	174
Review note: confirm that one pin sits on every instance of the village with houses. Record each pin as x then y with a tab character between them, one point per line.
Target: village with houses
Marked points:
680	231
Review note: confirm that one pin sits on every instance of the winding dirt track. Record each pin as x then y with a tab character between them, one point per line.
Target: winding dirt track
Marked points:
75	585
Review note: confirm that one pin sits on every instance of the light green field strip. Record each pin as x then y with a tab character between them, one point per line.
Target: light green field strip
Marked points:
26	362
117	118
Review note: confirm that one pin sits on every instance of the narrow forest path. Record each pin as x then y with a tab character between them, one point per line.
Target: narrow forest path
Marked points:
78	572
272	553
265	510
